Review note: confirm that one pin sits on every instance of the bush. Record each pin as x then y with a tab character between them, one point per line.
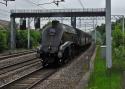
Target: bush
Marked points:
118	57
3	40
22	40
35	38
117	37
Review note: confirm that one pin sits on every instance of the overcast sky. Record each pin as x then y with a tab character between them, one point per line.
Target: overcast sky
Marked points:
118	6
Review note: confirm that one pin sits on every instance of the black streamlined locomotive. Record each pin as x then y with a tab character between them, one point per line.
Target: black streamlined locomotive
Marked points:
60	43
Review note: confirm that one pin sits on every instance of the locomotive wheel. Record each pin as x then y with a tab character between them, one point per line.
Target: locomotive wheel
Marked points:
73	51
44	64
60	62
67	55
70	53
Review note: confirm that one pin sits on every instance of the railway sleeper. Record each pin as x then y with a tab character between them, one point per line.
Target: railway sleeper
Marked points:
12	76
15	54
17	66
15	60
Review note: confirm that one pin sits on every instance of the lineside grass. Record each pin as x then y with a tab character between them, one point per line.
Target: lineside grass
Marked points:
103	78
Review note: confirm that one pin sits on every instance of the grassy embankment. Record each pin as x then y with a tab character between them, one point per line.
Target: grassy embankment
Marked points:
102	78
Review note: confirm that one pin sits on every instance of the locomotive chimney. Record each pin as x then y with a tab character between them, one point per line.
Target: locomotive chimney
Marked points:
55	23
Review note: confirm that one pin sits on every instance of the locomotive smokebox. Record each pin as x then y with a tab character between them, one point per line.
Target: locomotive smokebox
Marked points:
55	23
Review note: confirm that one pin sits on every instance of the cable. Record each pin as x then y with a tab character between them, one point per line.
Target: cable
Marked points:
55	2
4	3
34	3
45	3
63	6
81	4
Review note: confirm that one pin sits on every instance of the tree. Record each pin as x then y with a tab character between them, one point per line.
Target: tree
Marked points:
21	41
117	36
3	41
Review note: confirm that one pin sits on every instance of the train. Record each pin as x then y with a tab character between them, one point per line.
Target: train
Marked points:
60	43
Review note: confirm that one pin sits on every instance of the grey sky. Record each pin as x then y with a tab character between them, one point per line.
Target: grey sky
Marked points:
118	6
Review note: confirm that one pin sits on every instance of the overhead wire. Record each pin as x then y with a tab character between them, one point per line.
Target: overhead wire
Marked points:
63	6
54	1
81	4
36	4
4	14
32	2
46	3
4	3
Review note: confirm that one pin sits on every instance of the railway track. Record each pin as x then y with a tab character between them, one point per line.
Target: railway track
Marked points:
4	56
31	80
72	76
16	66
24	72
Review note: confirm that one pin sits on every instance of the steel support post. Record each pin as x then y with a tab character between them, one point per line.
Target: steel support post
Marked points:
80	23
12	34
123	30
73	21
85	27
94	28
123	27
108	35
61	19
28	36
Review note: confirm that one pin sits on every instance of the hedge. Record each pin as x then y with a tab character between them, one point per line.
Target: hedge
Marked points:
21	39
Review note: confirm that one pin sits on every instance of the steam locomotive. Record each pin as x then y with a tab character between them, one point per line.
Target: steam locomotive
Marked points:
60	43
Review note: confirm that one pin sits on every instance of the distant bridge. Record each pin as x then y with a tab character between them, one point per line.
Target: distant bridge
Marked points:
58	12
